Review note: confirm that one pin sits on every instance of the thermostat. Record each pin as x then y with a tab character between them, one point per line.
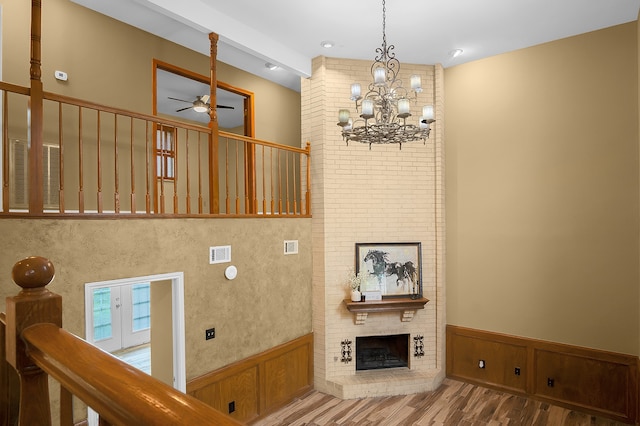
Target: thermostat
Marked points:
60	75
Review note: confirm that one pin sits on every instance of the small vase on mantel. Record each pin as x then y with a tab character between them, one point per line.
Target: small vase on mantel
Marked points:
355	296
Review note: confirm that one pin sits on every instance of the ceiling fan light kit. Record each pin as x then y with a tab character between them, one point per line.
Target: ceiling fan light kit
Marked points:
200	104
385	107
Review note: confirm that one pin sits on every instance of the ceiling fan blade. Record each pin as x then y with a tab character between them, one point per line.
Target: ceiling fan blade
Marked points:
225	107
183	109
181	100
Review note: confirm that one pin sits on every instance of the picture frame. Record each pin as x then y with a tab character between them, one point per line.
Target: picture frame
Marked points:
393	269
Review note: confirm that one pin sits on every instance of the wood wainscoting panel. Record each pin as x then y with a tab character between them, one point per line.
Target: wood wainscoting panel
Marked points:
591	380
260	384
238	389
585	380
499	362
286	375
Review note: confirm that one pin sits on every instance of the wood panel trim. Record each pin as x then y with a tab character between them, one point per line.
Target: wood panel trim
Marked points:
533	347
207	383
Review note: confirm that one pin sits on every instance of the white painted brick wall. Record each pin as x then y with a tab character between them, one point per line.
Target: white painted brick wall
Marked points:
378	195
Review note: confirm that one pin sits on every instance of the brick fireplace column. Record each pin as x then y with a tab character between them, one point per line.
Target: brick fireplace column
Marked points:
371	196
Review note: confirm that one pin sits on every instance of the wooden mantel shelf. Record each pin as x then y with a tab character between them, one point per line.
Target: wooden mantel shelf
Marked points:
407	306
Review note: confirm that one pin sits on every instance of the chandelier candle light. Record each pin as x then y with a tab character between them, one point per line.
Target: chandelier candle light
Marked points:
385	107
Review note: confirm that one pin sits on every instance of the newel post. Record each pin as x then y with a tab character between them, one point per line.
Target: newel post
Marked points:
34	304
214	168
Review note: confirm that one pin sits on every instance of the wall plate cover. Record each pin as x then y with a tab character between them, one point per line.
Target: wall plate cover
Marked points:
231	272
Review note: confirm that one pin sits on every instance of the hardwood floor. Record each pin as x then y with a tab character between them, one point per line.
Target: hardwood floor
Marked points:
454	403
138	356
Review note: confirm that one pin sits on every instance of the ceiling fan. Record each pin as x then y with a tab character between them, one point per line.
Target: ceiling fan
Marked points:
199	105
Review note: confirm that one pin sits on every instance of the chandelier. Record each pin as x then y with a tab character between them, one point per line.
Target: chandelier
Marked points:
385	108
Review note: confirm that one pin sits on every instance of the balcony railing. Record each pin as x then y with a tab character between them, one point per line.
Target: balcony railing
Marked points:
99	160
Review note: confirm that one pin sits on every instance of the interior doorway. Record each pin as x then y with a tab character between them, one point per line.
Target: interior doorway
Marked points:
141	317
177	91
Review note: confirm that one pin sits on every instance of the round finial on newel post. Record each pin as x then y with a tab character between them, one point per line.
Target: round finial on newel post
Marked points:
33	272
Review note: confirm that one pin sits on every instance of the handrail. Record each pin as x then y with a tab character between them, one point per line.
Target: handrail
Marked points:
21	90
37	346
248	139
121	393
119	111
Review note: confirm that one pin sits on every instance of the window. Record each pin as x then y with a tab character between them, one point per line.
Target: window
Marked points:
102	314
19	163
121	316
165	152
141	298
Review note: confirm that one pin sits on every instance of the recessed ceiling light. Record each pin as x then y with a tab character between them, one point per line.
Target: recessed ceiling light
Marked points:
455	53
327	44
271	66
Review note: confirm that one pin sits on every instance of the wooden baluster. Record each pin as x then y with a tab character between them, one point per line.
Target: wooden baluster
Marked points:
286	168
133	170
186	156
264	185
116	171
175	170
248	202
34	304
60	161
252	177
66	407
80	164
295	190
99	166
5	152
147	170
237	185
162	166
199	175
279	185
273	201
226	178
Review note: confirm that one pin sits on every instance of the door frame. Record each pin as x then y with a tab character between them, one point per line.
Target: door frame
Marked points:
178	322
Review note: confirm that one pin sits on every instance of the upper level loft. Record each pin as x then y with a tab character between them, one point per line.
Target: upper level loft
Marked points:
67	157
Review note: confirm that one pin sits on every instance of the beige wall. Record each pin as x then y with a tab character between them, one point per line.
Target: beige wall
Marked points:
542	192
162	331
267	304
106	67
111	63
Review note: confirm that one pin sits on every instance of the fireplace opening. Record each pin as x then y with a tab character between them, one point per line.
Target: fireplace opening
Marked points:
376	352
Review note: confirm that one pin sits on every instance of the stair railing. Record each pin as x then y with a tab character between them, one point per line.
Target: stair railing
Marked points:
38	348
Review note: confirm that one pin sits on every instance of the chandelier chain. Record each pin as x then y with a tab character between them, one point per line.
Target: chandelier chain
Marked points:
385	106
384	25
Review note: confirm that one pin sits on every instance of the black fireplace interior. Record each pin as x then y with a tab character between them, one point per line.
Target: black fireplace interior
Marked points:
376	352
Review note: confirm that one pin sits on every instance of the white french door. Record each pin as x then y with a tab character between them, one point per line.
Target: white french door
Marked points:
121	316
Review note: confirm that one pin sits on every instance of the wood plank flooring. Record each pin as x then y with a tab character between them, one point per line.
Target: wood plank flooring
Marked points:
454	403
138	356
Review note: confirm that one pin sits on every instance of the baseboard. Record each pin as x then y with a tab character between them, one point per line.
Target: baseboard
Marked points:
259	385
590	380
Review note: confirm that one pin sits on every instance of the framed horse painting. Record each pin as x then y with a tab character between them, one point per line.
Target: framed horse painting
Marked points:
393	269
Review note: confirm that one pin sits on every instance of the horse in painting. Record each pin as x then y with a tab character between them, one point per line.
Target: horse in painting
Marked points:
406	273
